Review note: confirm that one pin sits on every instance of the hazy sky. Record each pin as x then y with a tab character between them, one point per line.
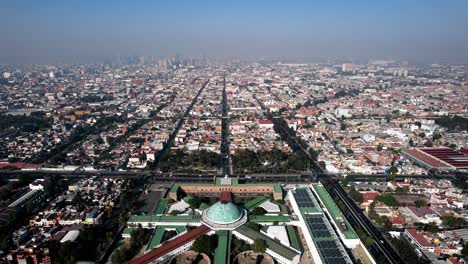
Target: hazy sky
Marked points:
417	30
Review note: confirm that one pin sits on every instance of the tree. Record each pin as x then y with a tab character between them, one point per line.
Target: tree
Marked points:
346	180
428	144
402	189
420	203
259	246
379	147
453	123
387	223
322	164
204	244
393	170
422	134
253	226
368	241
387	199
465	250
387	119
431	228
355	195
259	211
194	202
436	136
453	222
406	251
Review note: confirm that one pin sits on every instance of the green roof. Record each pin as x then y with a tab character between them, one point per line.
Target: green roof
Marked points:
273	245
269	218
156	237
293	240
164	218
334	211
255	202
128	230
221	255
224	213
161	208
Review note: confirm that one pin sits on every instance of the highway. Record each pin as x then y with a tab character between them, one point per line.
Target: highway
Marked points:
381	245
258	177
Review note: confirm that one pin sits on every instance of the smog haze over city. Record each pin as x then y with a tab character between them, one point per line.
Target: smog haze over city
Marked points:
71	31
234	132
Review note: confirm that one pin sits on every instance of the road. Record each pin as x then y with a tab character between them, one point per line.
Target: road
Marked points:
225	151
381	245
174	133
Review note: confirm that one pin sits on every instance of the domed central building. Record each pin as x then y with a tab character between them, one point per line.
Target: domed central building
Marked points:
224	215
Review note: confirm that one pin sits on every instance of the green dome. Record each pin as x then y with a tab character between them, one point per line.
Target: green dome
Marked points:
224	213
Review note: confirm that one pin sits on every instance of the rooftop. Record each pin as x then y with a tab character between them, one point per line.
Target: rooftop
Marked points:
164	218
273	245
335	212
221	255
171	245
224	213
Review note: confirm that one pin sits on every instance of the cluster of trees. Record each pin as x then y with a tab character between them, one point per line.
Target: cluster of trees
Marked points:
367	240
453	222
419	203
393	170
315	102
205	244
355	195
351	92
96	98
461	181
32	123
404	189
16	219
431	228
178	159
238	246
274	161
259	246
258	211
127	251
288	135
387	199
194	201
254	226
453	123
406	252
85	246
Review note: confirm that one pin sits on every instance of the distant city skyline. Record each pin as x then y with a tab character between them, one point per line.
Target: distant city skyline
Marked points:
82	31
